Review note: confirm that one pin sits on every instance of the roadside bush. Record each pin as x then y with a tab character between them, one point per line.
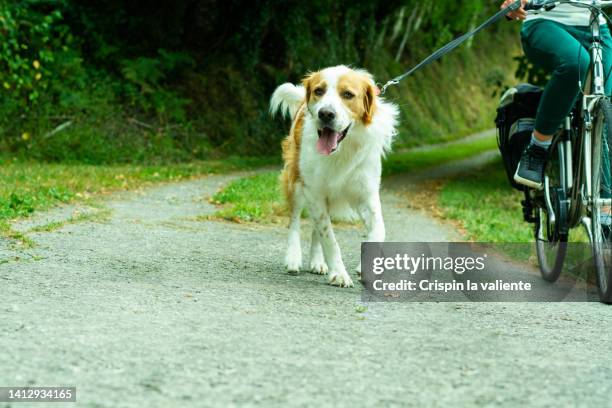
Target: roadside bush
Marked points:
102	81
146	81
35	48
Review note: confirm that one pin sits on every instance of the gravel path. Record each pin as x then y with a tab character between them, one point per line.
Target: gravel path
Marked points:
152	308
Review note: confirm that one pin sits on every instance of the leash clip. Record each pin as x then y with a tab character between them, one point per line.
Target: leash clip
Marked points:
388	84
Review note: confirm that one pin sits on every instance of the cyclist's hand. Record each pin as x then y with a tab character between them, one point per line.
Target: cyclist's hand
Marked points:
519	14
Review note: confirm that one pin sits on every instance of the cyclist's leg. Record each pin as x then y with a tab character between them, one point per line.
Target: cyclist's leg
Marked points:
551	46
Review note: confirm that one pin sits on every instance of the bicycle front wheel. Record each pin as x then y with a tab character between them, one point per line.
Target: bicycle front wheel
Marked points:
599	208
550	231
550	251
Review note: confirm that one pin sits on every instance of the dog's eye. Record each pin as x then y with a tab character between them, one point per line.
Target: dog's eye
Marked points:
319	91
348	95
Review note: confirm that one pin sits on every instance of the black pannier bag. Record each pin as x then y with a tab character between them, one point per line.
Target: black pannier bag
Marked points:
515	122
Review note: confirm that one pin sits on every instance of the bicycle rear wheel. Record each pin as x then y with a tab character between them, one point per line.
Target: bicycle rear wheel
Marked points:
550	233
599	207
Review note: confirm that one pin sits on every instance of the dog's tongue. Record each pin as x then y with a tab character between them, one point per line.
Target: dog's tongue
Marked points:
328	141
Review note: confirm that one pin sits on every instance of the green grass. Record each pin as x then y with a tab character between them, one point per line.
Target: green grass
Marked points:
100	215
26	187
412	160
488	208
258	198
486	205
250	199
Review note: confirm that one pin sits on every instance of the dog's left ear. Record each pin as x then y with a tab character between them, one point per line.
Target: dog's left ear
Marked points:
306	83
369	103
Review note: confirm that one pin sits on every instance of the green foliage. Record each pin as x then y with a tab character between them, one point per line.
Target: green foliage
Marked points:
34	51
40	70
145	80
531	73
191	79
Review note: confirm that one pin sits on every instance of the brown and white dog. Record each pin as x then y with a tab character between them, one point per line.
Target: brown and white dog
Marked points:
341	130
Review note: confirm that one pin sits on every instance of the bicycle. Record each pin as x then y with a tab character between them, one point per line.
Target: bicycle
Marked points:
570	196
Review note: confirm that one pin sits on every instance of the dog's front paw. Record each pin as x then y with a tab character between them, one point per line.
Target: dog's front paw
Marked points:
319	267
293	263
340	278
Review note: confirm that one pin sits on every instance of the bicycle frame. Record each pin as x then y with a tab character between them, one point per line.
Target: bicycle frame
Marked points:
579	176
574	177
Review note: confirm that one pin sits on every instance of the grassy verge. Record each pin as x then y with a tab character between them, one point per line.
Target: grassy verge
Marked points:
258	198
253	198
412	160
26	187
487	207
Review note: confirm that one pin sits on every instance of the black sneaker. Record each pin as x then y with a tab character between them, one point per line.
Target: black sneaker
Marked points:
530	171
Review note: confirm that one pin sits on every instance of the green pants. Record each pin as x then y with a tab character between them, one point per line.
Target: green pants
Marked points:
564	52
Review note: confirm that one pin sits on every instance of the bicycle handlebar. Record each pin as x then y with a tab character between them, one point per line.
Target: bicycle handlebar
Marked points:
547	5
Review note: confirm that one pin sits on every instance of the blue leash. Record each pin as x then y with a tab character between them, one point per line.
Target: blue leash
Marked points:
452	45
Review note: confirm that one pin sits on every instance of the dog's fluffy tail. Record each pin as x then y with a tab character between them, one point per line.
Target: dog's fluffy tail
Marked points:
287	99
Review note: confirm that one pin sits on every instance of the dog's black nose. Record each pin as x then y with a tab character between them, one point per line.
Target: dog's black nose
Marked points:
326	116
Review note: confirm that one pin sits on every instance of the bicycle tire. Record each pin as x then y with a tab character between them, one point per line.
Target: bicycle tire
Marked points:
600	238
551	244
550	264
